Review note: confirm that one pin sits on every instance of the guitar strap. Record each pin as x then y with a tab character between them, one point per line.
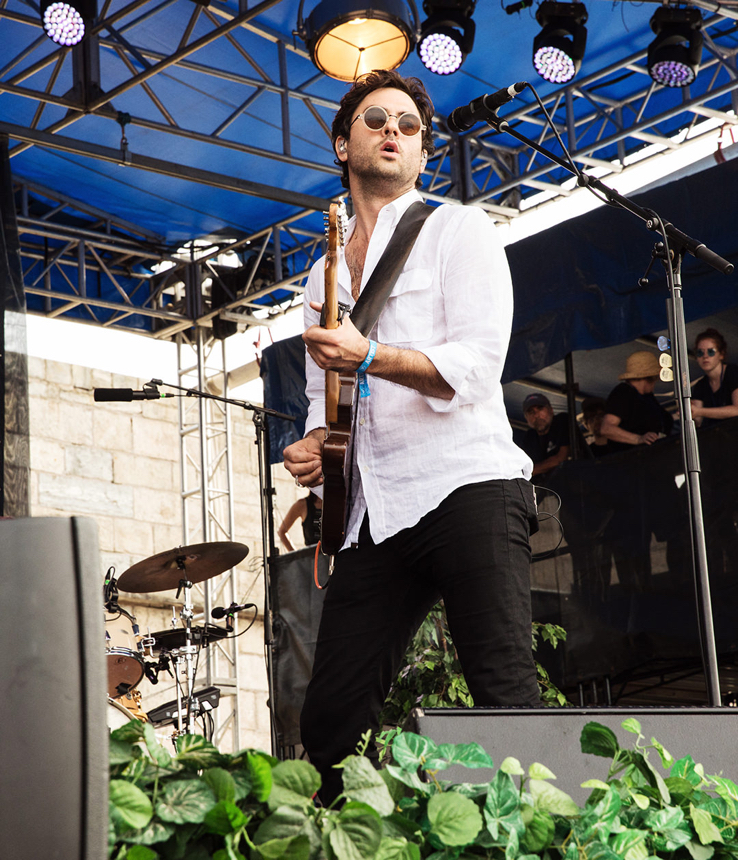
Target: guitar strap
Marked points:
382	280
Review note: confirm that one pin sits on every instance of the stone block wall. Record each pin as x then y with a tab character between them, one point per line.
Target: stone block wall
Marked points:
119	463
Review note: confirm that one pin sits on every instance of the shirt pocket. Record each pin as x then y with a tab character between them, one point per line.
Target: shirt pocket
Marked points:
408	315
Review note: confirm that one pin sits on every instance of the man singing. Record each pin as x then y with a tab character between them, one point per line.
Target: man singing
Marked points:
441	504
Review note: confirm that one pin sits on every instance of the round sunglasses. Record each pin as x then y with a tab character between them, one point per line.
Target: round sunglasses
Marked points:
376	118
710	352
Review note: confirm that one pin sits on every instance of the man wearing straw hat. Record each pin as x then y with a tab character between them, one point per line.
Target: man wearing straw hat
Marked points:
633	416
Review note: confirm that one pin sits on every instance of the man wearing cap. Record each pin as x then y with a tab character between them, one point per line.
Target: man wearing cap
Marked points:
547	442
633	416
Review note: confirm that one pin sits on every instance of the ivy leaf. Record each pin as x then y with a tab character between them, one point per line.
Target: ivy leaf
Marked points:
397	849
726	789
704	825
195	752
454	819
221	783
540	771
667	759
685	767
552	799
411	751
141	852
155	831
470	755
294	848
599	740
130	808
285	823
630	844
595	783
640	800
120	752
632	725
362	783
600	851
512	766
409	778
356	834
699	852
539	832
156	750
293	784
185	801
224	818
502	806
260	771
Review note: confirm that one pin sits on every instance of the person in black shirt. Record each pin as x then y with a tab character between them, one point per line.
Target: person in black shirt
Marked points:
593	412
308	509
715	395
547	442
633	416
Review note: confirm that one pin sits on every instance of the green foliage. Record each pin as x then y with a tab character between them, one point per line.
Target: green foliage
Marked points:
202	805
432	678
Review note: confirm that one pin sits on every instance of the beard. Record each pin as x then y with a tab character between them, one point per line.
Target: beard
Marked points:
383	177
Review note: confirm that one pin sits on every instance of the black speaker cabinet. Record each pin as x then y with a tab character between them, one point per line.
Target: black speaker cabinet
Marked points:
54	749
551	736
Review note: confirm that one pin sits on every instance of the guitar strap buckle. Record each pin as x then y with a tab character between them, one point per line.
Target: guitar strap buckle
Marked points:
343	309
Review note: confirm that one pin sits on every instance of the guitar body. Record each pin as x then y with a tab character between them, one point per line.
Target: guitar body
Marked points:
337	468
339	409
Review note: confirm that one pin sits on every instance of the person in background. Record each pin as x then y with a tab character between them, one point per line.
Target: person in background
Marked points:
547	443
715	395
633	416
307	509
593	411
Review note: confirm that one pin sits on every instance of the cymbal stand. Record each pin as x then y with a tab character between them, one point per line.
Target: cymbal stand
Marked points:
187	653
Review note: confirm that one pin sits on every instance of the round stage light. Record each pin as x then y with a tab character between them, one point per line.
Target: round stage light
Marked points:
554	64
440	52
558	49
63	24
674	55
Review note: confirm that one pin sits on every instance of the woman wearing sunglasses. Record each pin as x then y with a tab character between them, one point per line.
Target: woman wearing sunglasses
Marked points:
715	395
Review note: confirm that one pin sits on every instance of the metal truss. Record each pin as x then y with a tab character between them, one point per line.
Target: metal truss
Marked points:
81	263
606	120
207	512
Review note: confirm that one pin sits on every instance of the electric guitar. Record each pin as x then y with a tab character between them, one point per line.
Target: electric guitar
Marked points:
339	403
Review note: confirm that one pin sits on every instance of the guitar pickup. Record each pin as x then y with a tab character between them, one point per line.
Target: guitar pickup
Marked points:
343	309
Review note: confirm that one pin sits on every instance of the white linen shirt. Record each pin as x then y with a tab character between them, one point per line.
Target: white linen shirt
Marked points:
453	302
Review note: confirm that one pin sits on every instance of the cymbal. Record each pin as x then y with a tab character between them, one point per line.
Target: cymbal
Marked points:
196	563
168	640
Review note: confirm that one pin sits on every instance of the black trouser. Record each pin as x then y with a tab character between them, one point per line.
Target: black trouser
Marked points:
472	551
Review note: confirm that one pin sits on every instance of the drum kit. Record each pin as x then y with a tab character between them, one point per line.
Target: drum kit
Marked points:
177	648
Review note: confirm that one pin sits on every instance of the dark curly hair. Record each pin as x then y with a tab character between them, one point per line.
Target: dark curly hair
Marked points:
712	334
377	80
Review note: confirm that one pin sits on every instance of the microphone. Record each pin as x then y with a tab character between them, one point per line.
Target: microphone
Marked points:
221	612
104	395
463	118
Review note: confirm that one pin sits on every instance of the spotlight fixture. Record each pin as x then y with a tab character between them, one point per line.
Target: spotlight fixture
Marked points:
674	55
447	35
559	48
348	38
65	22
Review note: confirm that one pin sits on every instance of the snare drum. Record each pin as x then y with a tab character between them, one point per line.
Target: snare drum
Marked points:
125	664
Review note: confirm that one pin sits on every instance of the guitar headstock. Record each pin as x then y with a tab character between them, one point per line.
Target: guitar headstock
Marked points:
336	225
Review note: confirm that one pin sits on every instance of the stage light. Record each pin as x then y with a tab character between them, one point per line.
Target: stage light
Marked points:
559	48
674	55
447	35
348	38
65	23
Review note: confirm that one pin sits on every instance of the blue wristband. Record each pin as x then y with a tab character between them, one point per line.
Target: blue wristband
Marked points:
369	357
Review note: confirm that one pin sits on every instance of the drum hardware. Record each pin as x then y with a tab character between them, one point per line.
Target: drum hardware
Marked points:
178	568
205	700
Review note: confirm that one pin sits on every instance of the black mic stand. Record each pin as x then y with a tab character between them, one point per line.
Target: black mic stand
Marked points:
675	245
266	492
